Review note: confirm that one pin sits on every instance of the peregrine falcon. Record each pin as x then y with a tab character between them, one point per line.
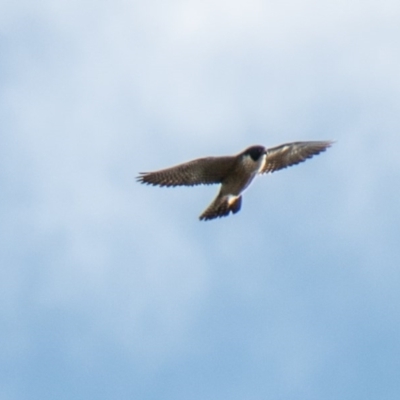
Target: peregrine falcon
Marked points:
234	173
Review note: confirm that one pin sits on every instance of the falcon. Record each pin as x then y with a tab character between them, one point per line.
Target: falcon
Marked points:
233	173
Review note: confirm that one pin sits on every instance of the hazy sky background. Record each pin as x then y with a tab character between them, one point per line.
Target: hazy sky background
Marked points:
114	290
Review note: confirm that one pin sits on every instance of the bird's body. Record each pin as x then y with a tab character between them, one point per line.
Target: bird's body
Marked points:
234	173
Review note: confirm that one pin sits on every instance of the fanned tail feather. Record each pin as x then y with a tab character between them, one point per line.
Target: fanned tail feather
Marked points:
221	207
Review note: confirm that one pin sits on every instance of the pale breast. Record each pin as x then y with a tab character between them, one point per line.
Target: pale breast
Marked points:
242	175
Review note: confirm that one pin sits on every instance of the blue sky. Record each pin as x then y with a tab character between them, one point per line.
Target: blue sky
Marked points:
111	289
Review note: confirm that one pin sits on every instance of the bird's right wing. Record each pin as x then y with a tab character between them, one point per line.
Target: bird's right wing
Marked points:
203	171
290	154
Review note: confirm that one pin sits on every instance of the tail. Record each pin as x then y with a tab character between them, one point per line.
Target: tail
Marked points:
221	207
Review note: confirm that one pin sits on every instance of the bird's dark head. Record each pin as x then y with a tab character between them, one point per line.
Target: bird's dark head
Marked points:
255	152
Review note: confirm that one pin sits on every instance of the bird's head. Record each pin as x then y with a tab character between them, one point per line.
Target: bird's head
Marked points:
255	152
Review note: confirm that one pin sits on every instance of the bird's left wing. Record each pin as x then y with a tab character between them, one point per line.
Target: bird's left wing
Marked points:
289	154
203	171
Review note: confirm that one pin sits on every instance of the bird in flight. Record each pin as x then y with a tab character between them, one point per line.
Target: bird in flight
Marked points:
233	173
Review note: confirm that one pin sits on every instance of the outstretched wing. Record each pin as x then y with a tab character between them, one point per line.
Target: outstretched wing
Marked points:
203	171
289	154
